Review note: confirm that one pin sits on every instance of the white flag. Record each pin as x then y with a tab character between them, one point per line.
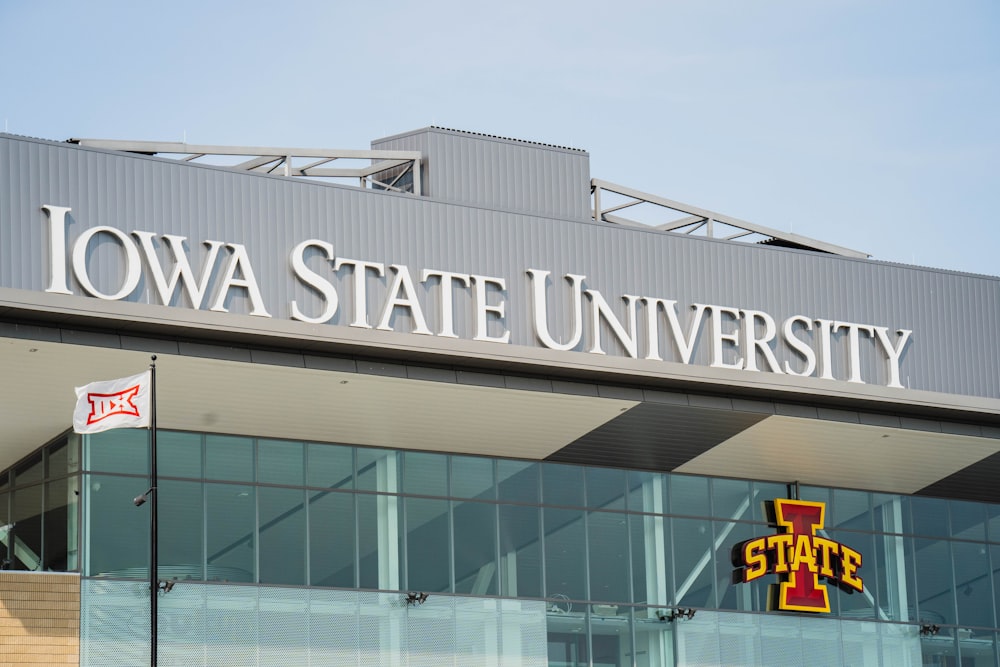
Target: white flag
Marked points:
122	403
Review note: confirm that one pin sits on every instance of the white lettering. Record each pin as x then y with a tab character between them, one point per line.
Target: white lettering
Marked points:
182	267
447	302
239	261
685	344
718	337
601	310
753	342
483	309
853	348
360	284
540	309
57	249
132	263
402	295
314	280
799	346
892	353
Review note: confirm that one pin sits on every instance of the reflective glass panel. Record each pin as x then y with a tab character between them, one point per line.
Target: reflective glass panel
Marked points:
58	460
968	520
118	531
425	474
647	492
850	509
929	516
282	536
935	592
28	527
378	470
475	548
60	540
281	462
694	569
731	499
520	555
565	554
472	477
29	471
229	457
688	495
517	481
745	597
330	466
428	548
5	536
608	545
379	528
124	450
331	539
853	604
605	488
181	528
179	454
650	558
567	636
231	545
972	584
562	484
610	639
766	492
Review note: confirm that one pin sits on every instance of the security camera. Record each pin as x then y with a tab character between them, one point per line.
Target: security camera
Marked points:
139	500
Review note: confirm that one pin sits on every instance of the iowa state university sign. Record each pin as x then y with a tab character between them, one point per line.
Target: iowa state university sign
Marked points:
641	327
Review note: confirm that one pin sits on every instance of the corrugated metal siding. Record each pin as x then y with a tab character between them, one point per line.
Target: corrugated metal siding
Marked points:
500	173
954	317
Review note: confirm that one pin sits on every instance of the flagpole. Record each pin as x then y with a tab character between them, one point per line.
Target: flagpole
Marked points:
154	577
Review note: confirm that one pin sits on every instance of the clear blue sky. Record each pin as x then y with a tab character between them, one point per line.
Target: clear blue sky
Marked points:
868	124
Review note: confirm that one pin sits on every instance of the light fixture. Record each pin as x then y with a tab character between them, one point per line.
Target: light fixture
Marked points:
140	500
416	597
927	630
166	585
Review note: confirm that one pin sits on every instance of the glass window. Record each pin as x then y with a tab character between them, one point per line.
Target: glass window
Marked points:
517	481
5	527
428	547
815	494
475	548
330	466
646	492
745	597
929	516
281	462
972	584
59	546
688	495
282	536
58	459
893	581
118	531
650	558
562	484
610	639
693	567
29	471
567	636
890	513
378	541
229	457
181	529
378	470
765	493
731	499
124	450
28	527
565	554
520	555
472	477
849	603
935	592
425	474
331	539
4	479
178	454
968	520
851	509
605	488
231	511
608	554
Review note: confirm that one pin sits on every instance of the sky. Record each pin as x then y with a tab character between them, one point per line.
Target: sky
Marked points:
869	124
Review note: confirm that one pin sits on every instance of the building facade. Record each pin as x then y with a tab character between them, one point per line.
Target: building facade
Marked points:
470	414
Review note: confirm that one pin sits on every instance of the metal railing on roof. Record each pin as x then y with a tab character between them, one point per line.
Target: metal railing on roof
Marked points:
685	219
397	171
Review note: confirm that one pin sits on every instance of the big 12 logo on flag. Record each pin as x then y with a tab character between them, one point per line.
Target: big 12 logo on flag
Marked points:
121	403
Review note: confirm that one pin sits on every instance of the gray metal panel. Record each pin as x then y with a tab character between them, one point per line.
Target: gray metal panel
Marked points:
953	316
500	173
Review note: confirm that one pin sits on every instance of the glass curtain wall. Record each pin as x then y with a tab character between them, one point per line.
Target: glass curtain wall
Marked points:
614	556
